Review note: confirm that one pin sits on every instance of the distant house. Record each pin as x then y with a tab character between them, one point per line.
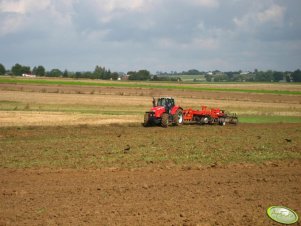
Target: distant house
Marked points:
122	76
245	73
29	75
126	77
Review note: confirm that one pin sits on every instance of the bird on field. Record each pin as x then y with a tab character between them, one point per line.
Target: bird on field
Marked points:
288	140
127	149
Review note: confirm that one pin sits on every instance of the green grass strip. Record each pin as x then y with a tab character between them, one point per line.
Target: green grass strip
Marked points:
269	119
139	85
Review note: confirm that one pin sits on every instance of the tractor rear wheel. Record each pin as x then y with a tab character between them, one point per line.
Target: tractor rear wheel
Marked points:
146	120
164	120
178	118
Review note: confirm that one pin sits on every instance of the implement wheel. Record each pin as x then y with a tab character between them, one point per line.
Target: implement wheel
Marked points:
234	120
178	118
222	121
164	120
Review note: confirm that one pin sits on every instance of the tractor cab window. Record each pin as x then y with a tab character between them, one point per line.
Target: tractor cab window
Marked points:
166	102
172	102
161	102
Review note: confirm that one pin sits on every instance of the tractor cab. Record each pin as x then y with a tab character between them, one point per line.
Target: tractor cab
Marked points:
167	102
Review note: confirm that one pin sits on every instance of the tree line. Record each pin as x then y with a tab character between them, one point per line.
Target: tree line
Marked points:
240	76
98	73
256	76
143	75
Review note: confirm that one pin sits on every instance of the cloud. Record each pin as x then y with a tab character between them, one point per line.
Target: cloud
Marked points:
206	43
14	14
113	5
23	6
20	15
207	3
151	34
274	15
107	10
10	24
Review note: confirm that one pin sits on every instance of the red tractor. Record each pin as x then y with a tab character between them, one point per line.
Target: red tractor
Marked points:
164	112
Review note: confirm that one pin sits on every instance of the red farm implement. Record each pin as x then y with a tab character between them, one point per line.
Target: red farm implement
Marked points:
209	116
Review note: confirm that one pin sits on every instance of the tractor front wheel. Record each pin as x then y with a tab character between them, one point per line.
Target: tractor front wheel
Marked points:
178	118
165	120
146	120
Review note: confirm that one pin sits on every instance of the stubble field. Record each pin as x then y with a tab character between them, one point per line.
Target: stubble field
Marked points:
78	155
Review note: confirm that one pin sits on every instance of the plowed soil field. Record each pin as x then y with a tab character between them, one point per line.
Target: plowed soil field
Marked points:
232	195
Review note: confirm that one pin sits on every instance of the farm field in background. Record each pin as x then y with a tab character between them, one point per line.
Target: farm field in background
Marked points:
75	152
272	88
26	104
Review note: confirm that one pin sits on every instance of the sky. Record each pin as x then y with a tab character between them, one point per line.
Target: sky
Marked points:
156	35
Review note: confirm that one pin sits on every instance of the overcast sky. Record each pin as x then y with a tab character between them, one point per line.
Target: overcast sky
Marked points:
157	35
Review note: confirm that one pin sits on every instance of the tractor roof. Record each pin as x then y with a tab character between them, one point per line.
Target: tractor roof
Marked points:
165	98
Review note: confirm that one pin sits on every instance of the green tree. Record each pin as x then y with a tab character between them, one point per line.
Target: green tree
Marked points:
193	72
39	71
287	76
140	75
2	69
296	75
131	73
144	74
269	76
259	76
88	74
18	69
65	74
78	74
262	76
99	72
278	76
107	74
220	78
114	75
208	78
55	73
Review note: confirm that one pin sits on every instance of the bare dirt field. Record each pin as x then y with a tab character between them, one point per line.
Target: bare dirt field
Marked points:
73	155
232	195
